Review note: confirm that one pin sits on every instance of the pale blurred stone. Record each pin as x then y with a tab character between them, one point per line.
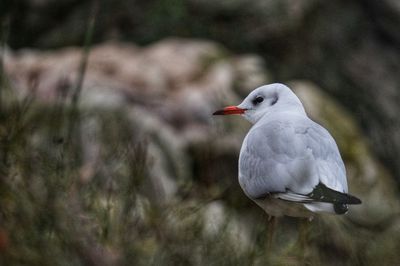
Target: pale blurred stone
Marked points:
219	222
250	73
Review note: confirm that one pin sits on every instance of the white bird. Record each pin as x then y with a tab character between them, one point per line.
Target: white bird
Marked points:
288	164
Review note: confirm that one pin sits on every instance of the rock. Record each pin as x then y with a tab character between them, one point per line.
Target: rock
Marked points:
250	72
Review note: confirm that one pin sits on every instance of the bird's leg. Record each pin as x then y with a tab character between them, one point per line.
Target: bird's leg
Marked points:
304	236
272	220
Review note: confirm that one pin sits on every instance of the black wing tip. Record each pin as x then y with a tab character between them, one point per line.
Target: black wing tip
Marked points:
353	200
323	193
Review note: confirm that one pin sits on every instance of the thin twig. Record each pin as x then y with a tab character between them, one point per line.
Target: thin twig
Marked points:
5	25
73	117
85	56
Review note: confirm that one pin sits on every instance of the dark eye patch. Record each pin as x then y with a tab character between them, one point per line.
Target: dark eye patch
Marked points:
258	100
274	101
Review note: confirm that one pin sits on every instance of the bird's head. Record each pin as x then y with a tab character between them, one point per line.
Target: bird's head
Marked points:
264	100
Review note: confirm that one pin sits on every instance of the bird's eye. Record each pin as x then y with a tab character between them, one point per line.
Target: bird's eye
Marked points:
257	100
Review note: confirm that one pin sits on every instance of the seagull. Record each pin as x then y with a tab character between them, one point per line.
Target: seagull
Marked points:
289	165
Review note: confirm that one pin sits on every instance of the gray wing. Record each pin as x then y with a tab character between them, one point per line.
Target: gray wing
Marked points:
292	157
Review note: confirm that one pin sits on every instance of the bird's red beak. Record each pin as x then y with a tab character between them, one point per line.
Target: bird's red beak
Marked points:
230	110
